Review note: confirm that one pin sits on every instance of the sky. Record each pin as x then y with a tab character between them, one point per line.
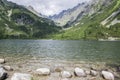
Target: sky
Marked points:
49	7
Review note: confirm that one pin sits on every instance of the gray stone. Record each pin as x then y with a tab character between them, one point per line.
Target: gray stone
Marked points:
43	71
66	74
107	75
2	61
64	79
58	69
3	74
8	68
21	76
87	72
93	73
80	72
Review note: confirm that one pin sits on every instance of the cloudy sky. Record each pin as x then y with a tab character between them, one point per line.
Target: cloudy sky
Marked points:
49	7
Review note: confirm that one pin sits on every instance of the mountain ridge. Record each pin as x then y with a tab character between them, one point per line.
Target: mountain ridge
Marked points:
63	17
18	22
90	26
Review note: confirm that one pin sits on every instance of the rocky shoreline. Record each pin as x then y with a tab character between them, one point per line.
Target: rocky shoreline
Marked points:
68	71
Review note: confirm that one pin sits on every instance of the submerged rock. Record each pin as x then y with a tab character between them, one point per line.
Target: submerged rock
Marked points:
80	72
2	61
21	76
3	74
66	74
58	69
64	79
43	71
8	68
107	75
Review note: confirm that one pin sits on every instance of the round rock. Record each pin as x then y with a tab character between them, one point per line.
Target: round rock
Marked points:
58	69
2	61
21	76
43	71
107	75
3	74
93	73
8	68
80	72
66	74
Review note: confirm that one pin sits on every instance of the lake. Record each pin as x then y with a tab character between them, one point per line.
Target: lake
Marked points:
74	50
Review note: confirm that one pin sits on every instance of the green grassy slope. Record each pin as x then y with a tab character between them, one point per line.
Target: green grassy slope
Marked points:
18	22
90	26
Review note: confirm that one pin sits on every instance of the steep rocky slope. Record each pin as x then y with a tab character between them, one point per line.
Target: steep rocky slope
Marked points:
75	14
18	22
70	15
101	21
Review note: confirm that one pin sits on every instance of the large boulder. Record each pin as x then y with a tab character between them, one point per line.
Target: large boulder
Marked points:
107	75
43	71
80	72
3	74
66	74
21	76
2	61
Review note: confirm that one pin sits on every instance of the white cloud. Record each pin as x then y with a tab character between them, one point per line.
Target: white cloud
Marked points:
49	7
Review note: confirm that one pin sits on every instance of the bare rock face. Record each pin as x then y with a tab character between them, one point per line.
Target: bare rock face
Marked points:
43	71
66	74
80	72
21	76
107	75
2	61
3	74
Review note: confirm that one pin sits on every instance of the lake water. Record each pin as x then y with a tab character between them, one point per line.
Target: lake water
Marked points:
104	51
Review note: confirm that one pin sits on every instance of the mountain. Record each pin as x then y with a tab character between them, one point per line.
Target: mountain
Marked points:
17	21
99	19
70	15
75	14
30	8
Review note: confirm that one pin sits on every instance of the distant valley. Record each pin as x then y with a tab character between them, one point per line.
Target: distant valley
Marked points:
95	20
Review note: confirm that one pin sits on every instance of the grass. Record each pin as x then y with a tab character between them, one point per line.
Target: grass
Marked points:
90	26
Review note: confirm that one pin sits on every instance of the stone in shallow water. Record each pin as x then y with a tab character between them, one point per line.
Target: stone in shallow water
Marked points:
8	68
58	69
80	72
2	61
107	75
87	72
43	71
66	74
3	74
21	76
64	79
93	73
